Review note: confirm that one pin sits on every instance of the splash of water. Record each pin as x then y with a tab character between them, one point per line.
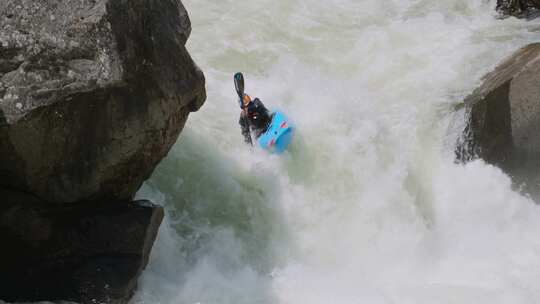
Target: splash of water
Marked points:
368	206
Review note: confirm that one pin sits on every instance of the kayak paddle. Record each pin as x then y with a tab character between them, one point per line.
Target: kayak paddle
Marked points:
239	85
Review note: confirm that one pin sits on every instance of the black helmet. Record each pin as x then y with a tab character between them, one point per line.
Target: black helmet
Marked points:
256	107
258	114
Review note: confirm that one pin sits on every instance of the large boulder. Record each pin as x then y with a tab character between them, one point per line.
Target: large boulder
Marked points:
503	117
519	8
84	253
93	93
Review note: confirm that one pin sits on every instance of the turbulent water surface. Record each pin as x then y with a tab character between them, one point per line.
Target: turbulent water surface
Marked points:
368	206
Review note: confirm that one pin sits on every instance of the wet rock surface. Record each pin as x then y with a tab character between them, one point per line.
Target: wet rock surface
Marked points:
504	118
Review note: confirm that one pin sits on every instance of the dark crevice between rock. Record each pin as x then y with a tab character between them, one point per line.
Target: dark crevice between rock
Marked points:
9	60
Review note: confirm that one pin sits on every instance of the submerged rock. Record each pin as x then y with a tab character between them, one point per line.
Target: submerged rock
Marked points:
83	253
504	117
93	93
519	8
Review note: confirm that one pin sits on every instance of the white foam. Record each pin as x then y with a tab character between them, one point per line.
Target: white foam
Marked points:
369	206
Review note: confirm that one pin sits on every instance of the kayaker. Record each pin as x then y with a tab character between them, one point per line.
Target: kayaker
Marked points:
253	118
273	131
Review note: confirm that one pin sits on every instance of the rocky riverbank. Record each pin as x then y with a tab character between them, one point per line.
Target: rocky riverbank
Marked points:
93	94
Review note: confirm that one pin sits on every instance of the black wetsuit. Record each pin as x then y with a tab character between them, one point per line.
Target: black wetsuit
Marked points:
258	119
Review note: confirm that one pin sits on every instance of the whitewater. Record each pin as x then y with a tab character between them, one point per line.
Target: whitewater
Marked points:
369	205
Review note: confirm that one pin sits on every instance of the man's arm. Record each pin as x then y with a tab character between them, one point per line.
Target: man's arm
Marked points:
245	128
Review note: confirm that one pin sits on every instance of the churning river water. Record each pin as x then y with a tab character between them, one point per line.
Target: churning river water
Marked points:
369	205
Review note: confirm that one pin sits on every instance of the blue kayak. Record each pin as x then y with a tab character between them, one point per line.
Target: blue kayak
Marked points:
279	134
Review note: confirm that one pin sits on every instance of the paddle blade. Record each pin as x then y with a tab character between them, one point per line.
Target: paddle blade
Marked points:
239	84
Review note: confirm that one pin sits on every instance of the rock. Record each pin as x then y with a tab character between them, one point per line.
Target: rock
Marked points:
504	117
519	8
93	93
81	253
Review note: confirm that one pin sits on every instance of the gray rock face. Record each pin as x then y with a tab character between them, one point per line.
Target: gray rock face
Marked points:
93	93
519	8
504	116
84	253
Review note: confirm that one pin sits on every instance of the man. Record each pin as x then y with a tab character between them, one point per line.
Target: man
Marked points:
253	118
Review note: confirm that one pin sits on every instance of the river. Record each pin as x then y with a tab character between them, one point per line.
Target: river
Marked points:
368	206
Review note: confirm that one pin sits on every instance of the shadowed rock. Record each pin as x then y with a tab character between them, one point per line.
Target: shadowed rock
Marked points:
504	118
80	252
93	93
519	8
